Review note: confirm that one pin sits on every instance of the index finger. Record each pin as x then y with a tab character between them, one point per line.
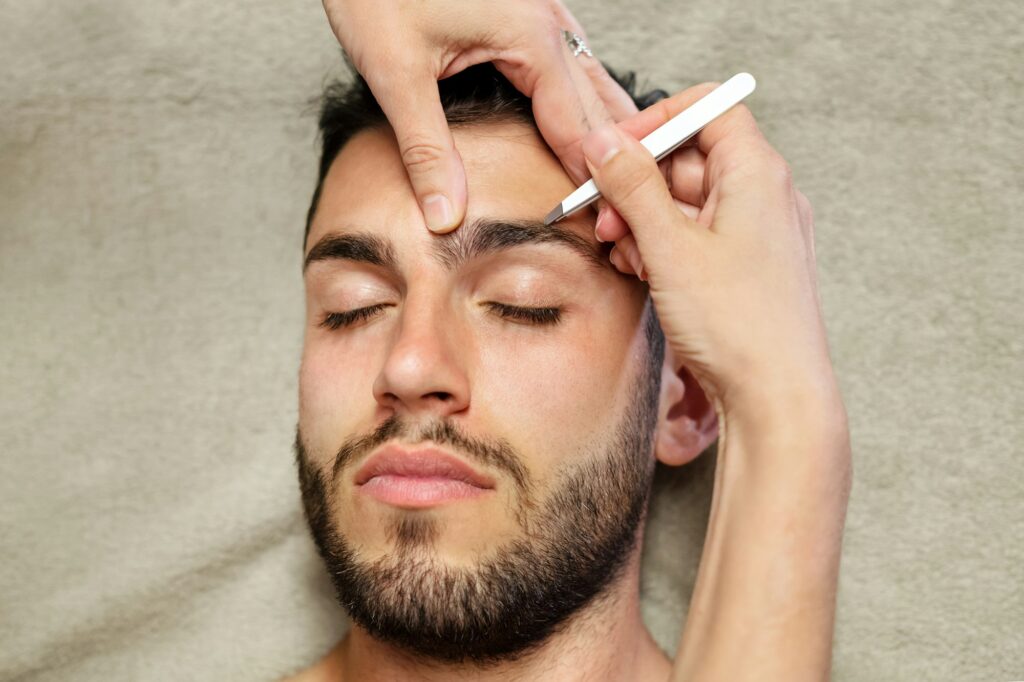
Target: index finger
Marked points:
616	100
410	100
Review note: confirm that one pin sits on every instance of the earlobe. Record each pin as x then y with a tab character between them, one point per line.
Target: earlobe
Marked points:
687	423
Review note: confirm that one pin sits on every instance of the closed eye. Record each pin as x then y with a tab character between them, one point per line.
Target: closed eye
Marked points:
537	316
350	317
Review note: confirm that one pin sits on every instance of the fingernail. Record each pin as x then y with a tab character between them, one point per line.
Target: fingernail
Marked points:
643	274
636	263
437	211
615	256
601	145
597	225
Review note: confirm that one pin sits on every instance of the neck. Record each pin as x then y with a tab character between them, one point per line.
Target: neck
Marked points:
606	642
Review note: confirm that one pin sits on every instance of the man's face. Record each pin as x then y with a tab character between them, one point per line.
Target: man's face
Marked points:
555	411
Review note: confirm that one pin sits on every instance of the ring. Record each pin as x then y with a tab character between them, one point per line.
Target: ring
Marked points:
576	43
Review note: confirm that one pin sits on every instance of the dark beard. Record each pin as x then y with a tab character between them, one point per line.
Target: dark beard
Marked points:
574	546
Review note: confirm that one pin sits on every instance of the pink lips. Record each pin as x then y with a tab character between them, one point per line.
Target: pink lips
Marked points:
419	478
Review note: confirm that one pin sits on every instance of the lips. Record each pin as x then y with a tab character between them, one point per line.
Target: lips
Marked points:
428	463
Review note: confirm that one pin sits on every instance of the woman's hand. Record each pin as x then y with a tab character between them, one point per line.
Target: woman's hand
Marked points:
727	246
728	252
403	48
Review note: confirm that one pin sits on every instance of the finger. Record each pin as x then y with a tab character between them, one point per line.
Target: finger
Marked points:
612	225
618	104
630	180
689	210
619	261
564	103
731	142
686	175
411	102
631	252
617	101
741	169
567	21
595	113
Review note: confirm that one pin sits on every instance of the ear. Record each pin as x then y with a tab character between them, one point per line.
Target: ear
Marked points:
687	423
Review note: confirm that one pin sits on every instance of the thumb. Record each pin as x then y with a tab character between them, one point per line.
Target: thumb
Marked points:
413	108
629	178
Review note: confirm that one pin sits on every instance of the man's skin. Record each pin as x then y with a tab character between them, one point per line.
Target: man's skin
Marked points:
550	391
727	247
428	41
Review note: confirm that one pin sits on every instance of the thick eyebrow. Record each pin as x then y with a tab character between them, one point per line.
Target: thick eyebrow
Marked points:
360	247
478	238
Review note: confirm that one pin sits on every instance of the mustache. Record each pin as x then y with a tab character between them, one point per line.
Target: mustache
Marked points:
497	453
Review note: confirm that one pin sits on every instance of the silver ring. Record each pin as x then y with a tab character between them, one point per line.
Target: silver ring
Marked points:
576	43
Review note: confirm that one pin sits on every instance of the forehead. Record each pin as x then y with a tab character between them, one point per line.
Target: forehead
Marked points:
510	173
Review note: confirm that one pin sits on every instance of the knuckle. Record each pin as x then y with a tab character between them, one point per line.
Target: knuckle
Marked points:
423	156
540	13
594	69
774	167
525	24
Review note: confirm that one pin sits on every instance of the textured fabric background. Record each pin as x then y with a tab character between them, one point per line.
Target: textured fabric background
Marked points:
156	160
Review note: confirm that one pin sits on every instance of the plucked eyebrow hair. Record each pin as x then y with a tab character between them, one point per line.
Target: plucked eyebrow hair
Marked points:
477	238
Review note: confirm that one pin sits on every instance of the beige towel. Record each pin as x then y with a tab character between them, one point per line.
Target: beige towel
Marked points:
155	166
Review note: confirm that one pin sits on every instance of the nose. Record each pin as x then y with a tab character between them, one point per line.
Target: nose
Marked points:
423	373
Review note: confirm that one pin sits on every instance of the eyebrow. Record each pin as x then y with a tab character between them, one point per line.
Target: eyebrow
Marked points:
478	238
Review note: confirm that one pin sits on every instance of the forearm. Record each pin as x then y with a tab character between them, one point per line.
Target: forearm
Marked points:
763	605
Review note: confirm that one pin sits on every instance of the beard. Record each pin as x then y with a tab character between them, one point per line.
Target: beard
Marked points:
574	544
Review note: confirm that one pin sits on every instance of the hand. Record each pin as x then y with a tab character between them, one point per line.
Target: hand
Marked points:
424	42
728	252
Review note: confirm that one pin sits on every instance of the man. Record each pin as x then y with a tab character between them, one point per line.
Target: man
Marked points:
480	411
521	352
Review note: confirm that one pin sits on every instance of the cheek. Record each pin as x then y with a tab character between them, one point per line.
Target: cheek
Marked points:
335	396
555	396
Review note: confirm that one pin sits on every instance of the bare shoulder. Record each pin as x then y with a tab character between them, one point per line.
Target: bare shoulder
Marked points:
327	669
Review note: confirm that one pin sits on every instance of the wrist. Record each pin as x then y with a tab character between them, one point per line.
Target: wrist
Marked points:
790	438
782	401
782	484
785	428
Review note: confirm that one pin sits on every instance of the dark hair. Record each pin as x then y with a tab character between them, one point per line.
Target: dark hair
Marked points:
478	94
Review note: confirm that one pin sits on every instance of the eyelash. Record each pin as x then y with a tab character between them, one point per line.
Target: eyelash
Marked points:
536	316
337	320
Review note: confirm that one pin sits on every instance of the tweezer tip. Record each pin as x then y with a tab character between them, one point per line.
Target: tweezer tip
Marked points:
555	215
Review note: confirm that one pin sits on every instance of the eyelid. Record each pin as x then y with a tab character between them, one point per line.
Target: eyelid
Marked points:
348	318
533	315
538	316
